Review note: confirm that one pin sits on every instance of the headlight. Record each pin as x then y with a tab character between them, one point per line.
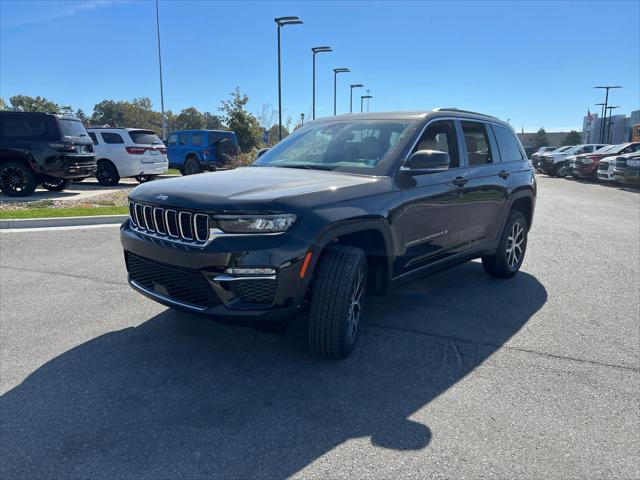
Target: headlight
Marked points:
633	163
256	223
586	161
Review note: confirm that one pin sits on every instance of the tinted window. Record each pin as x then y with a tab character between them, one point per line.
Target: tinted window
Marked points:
109	137
214	138
476	139
173	138
28	127
93	138
507	144
147	137
72	128
632	148
197	139
183	139
441	136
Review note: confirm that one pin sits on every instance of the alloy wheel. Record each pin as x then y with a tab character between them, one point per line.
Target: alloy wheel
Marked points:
515	242
14	179
355	306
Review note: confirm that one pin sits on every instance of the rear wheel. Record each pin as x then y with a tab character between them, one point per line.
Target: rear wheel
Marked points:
56	184
507	259
17	180
191	166
145	178
107	174
336	301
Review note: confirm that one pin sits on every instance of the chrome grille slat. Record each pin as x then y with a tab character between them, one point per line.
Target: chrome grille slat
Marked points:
180	226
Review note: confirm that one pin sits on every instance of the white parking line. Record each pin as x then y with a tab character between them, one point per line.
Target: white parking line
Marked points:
53	229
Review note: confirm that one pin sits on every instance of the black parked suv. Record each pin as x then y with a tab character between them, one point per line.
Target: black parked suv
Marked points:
42	148
343	207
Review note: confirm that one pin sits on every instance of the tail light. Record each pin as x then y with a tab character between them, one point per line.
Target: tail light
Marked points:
136	150
63	147
163	151
206	152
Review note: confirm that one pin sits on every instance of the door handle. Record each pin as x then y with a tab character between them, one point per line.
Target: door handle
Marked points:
460	181
504	174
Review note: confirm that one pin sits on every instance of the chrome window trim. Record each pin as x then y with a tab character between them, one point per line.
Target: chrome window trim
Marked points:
166	221
180	224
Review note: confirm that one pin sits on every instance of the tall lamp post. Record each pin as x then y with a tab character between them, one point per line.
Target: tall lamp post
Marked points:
336	71
362	97
355	85
606	102
609	122
602	117
164	120
281	22
316	50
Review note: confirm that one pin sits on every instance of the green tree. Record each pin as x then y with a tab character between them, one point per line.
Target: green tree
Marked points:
24	103
541	139
137	113
212	121
243	123
273	134
191	119
572	138
3	105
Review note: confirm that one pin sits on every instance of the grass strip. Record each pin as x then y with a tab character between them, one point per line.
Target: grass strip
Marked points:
62	212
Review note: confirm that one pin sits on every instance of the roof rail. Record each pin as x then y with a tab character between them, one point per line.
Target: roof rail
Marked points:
446	109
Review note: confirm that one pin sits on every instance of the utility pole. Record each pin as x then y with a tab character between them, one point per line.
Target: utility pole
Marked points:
164	120
604	109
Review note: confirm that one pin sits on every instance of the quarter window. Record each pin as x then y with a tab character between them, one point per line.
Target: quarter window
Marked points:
441	136
182	139
476	139
197	139
507	144
94	138
110	137
172	139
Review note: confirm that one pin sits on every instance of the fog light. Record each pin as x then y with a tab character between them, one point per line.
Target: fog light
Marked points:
250	271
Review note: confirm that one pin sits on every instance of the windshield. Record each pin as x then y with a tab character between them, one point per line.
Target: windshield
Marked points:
147	137
606	148
364	146
72	128
562	149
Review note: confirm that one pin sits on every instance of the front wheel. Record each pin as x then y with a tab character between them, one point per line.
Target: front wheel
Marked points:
17	180
56	184
145	178
336	301
507	259
560	170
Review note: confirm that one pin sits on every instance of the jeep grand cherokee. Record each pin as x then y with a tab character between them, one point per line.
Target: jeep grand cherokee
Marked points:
343	207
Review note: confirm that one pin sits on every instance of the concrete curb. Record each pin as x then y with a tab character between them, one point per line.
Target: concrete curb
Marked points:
62	221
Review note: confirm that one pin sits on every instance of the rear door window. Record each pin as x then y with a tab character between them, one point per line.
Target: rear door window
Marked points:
28	127
172	139
110	137
146	137
507	144
476	138
197	139
182	139
94	138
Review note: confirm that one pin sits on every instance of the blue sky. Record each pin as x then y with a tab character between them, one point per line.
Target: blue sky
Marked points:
533	62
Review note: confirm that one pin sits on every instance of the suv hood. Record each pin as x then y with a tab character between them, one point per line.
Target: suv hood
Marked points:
233	188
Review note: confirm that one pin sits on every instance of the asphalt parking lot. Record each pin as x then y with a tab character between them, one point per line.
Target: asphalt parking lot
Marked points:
456	376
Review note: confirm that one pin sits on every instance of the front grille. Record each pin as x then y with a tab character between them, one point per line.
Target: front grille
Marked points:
185	286
172	224
603	166
255	291
621	163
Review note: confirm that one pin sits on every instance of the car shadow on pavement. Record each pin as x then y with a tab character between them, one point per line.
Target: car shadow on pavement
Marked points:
181	396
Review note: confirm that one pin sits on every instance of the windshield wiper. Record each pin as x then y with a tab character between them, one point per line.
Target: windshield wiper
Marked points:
305	166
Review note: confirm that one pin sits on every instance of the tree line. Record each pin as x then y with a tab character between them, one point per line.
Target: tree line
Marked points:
139	113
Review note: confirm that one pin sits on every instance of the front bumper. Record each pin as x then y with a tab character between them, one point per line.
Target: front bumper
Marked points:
627	176
193	278
584	171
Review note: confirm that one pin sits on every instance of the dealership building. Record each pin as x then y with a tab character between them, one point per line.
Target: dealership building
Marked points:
619	130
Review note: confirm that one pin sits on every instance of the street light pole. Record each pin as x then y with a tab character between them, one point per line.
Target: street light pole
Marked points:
609	122
316	50
355	85
362	97
164	120
281	22
606	102
336	71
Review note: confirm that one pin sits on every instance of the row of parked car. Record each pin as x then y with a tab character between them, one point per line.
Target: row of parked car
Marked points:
607	163
55	150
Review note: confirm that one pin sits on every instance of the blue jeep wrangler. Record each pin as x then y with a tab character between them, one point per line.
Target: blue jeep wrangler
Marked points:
193	151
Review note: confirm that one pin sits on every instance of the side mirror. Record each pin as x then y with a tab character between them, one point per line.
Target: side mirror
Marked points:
261	152
426	161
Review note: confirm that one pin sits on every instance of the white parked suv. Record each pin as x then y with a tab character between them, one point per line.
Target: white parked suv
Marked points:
127	152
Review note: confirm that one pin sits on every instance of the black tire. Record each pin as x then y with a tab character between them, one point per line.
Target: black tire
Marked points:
107	174
559	170
17	180
56	184
226	152
191	166
502	263
339	285
145	178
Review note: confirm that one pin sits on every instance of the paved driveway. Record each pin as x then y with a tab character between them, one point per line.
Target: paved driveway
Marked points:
456	376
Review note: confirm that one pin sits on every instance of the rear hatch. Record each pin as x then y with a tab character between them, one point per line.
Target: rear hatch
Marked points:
74	133
148	145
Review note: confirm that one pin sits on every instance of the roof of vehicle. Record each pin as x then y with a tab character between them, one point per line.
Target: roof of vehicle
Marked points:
200	131
54	114
122	128
414	115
